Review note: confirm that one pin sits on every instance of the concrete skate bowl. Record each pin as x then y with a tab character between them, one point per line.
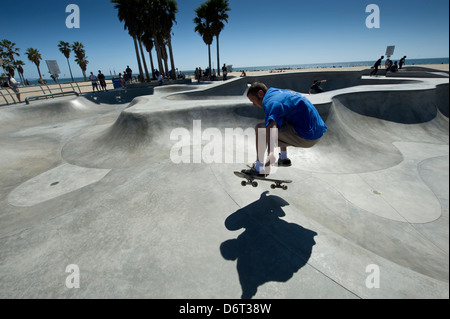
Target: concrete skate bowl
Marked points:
173	88
362	129
335	80
368	134
443	98
70	108
120	96
333	193
419	72
222	90
62	109
404	107
302	81
410	72
143	133
297	81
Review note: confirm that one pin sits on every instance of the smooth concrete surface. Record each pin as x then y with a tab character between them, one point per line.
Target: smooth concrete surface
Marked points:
110	195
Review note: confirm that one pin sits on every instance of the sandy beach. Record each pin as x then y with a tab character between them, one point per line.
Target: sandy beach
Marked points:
438	67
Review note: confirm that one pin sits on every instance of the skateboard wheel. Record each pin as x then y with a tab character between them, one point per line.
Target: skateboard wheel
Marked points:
255	184
273	186
285	187
243	183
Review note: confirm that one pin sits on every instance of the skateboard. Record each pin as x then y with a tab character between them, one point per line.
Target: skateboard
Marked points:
251	180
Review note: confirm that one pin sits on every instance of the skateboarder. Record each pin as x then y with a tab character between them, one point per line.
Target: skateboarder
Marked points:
288	115
376	66
316	87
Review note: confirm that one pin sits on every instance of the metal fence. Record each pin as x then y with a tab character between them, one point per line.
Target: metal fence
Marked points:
46	91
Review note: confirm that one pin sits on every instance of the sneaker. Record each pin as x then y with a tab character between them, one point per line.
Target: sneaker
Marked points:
252	171
284	163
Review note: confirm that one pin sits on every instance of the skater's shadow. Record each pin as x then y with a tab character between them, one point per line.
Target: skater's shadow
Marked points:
270	249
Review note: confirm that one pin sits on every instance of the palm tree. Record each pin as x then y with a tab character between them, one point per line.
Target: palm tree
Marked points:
81	58
219	10
64	47
204	26
165	14
35	57
143	60
149	21
19	64
147	40
7	51
163	52
129	12
7	66
151	27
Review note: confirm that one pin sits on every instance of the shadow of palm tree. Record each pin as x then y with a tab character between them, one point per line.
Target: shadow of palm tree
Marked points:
270	249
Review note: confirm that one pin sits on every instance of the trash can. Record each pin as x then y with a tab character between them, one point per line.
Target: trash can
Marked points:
116	83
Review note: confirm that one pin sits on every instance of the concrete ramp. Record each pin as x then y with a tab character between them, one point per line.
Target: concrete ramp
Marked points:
302	82
363	128
139	199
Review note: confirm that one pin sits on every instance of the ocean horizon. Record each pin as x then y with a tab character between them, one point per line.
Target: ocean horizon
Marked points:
409	62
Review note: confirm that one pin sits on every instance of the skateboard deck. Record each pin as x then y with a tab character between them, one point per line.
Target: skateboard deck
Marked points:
251	180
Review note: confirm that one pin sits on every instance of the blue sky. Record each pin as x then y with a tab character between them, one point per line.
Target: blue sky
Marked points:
259	33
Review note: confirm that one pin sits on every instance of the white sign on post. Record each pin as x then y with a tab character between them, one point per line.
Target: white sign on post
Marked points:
53	67
390	50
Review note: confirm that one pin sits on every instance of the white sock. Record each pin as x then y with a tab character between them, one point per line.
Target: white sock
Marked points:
283	155
259	167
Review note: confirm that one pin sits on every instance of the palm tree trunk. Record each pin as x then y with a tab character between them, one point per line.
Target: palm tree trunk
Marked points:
218	57
165	59
39	71
172	62
141	73
70	70
209	57
158	54
152	65
145	63
21	78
